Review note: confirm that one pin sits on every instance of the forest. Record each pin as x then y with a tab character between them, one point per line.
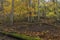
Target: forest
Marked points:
30	19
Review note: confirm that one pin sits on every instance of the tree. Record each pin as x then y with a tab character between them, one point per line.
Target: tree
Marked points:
11	14
38	10
1	6
1	10
30	13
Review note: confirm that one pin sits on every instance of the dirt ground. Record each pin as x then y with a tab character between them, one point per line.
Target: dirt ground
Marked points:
46	31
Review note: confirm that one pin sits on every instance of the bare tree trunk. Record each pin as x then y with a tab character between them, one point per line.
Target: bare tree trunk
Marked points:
44	10
1	6
1	10
30	13
11	14
38	10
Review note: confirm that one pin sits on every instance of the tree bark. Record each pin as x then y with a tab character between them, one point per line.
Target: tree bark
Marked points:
11	14
30	13
38	10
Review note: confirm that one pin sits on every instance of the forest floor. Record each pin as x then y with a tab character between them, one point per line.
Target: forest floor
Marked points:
46	31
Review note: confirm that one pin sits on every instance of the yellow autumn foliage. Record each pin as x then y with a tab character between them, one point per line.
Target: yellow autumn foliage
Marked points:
22	8
51	14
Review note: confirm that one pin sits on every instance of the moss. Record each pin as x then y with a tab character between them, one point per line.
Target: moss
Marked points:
22	36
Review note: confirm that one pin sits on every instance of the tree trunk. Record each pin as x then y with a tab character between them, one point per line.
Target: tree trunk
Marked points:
30	13
11	14
38	10
1	10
